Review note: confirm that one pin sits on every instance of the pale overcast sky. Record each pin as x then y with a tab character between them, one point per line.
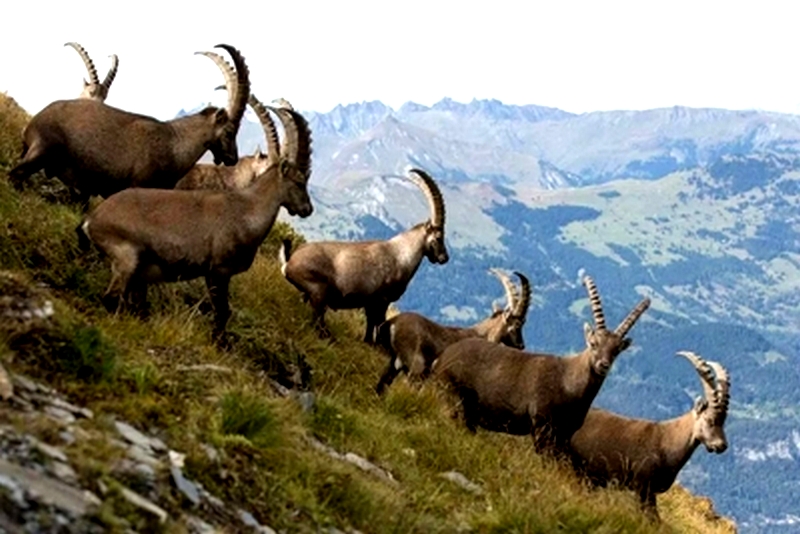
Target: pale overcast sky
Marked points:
575	55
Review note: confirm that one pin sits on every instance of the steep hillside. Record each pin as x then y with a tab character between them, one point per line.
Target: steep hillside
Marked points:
289	464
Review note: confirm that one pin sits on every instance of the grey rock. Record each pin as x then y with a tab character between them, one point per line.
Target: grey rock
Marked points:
143	456
460	480
132	435
203	367
15	491
64	472
59	414
145	471
211	452
139	501
49	490
48	450
248	519
75	410
25	383
306	400
185	486
369	467
198	526
67	437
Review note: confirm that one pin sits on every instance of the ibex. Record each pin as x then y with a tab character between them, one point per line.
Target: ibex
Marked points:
367	274
220	177
646	456
414	342
94	89
547	396
155	235
100	150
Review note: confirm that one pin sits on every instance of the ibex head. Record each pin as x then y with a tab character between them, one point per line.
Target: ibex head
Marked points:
226	121
711	410
95	89
294	167
604	345
508	330
435	249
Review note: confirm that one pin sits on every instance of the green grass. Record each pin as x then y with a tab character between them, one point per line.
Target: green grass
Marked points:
140	371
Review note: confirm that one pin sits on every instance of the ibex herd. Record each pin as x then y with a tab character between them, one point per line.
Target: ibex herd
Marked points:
167	218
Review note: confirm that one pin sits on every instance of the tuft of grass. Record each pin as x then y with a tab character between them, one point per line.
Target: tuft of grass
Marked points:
244	414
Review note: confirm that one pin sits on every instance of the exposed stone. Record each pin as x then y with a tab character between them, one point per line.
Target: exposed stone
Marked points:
49	490
64	472
139	501
185	486
306	400
358	461
60	415
460	480
176	459
48	450
206	367
143	456
6	388
132	435
198	526
211	452
248	519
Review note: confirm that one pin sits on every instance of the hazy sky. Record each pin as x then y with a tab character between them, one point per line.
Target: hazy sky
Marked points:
577	56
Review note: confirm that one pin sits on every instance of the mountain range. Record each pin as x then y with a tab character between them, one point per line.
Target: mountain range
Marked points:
697	209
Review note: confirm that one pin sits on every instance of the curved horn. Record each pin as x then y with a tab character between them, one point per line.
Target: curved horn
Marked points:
112	72
521	307
86	61
283	103
508	285
723	390
632	317
432	193
705	372
270	132
236	111
594	302
228	72
297	139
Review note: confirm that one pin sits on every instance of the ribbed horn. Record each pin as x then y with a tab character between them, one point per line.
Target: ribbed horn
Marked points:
112	72
283	103
723	390
228	72
432	193
521	307
704	370
297	139
632	317
86	61
270	132
508	285
594	302
242	85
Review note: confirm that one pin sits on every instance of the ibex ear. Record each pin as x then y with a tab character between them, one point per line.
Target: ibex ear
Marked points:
625	343
284	167
700	405
220	117
588	334
85	83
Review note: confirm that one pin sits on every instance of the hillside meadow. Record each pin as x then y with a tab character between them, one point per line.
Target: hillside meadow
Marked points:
121	366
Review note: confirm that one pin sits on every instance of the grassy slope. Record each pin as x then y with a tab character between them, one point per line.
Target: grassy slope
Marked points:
267	466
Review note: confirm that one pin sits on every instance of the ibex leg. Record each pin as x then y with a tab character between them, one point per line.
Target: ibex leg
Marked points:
218	288
376	315
124	259
32	161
